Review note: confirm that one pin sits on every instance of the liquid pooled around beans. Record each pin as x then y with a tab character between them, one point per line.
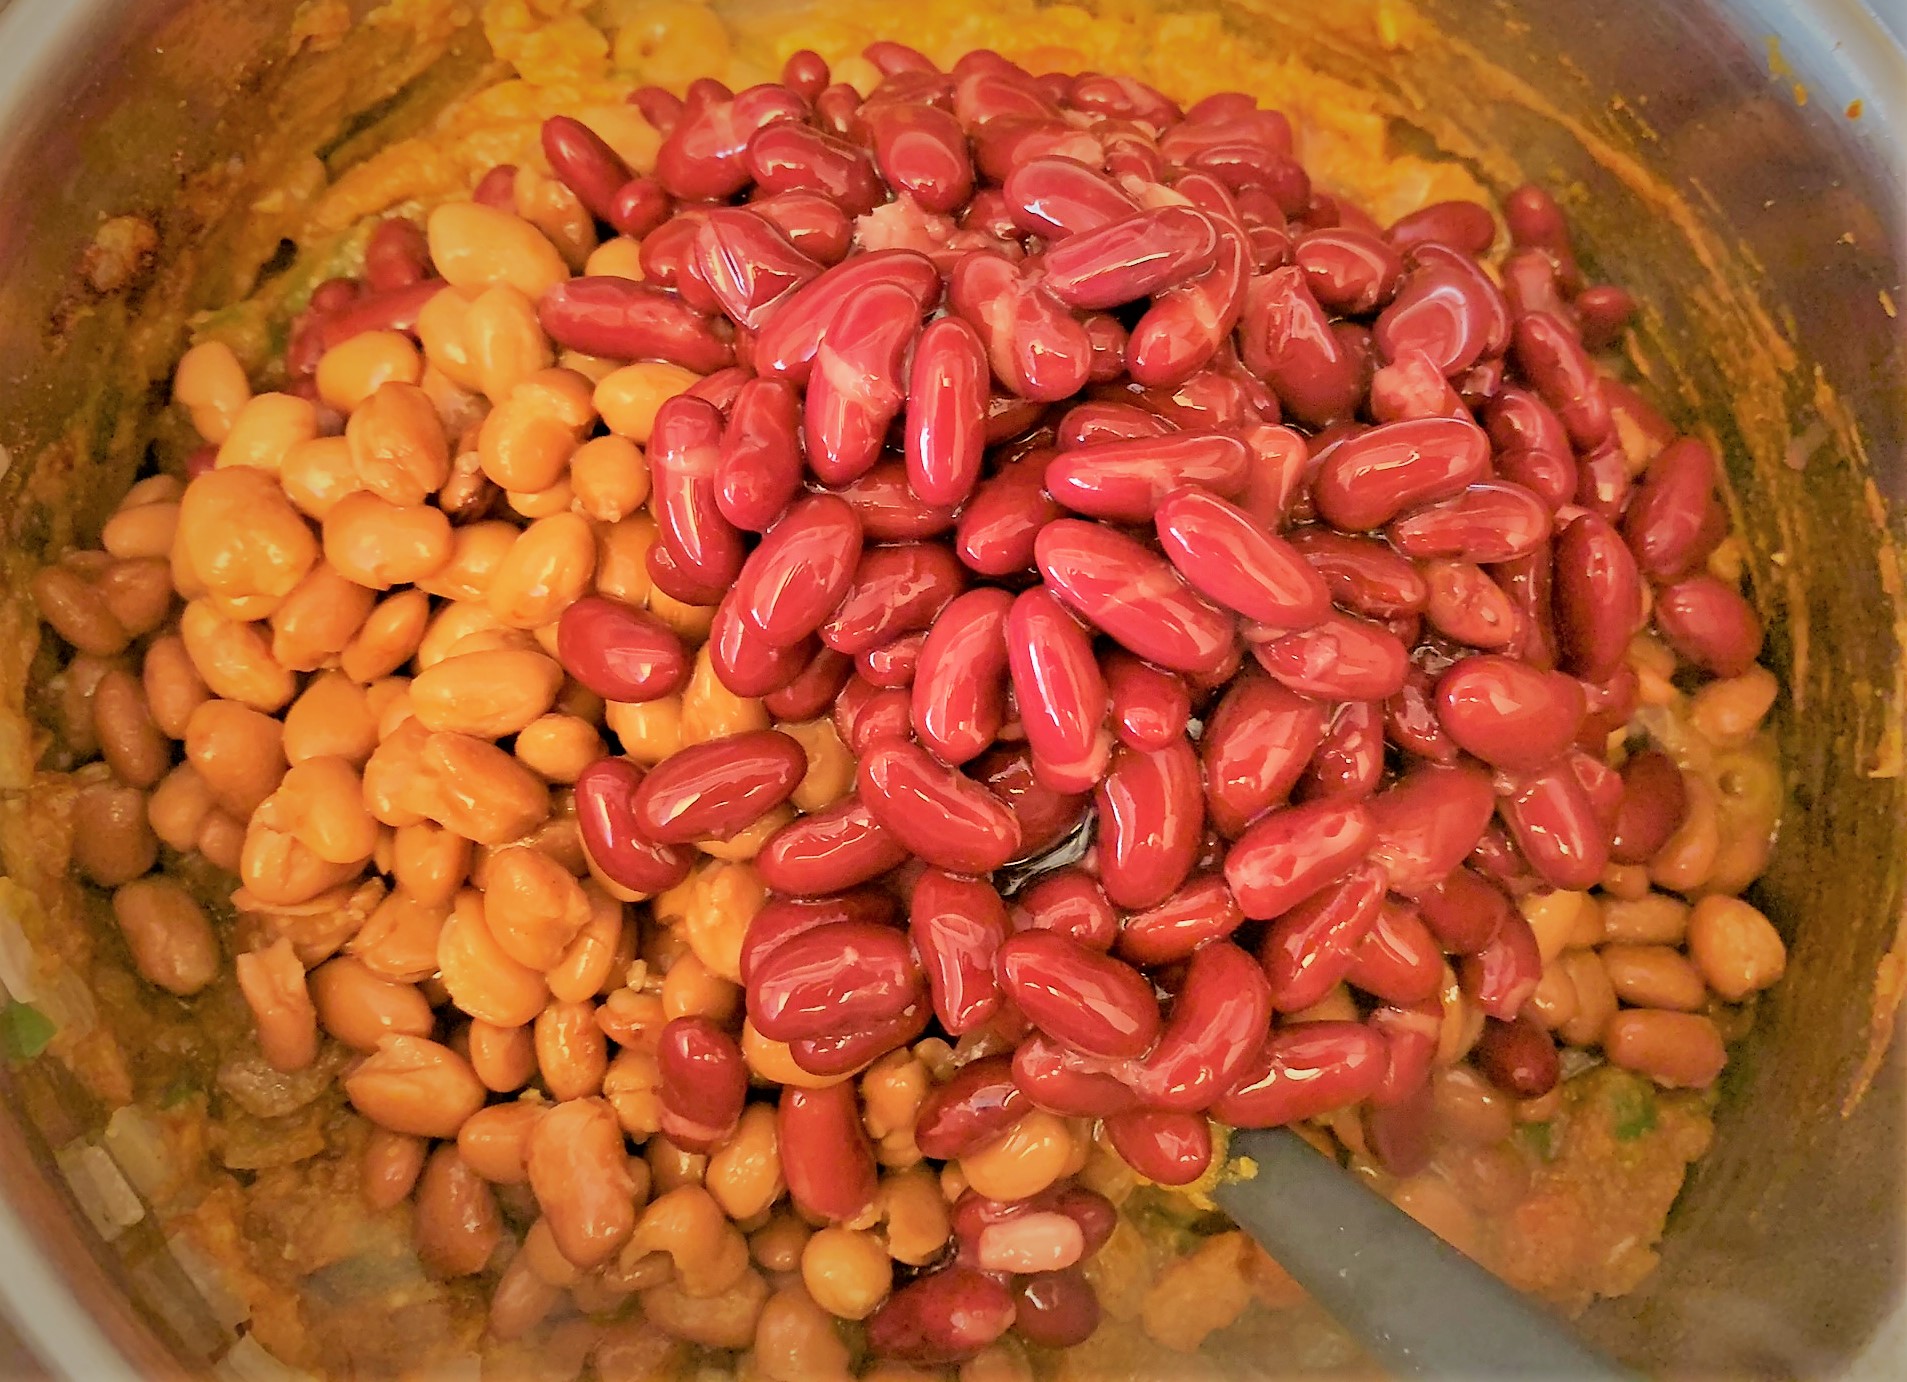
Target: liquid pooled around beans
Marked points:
782	673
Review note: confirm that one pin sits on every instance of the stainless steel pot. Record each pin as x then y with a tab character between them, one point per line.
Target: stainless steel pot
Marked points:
1741	166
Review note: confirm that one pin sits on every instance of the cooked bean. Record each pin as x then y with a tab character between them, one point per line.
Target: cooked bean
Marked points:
1736	948
847	1272
578	1171
171	941
360	1007
210	384
389	1168
1679	1050
412	1085
457	1224
113	843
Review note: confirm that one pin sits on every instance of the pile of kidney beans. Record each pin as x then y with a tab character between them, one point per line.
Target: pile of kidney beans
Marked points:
1262	575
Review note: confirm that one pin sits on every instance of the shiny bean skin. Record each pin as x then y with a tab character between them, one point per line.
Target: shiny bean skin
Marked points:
1085	999
167	932
1036	347
1151	814
718	788
1060	691
456	1220
945	399
1341	658
1710	624
894	591
1255	748
1554	823
360	1008
620	653
1310	947
1508	713
827	851
935	811
959	687
578	1171
978	1104
606	812
1303	1071
998	527
1369	479
1287	855
941	1318
1132	596
826	1157
1426	823
858	385
844	974
958	925
1598	597
414	1086
1218	1020
1165	1146
1228	558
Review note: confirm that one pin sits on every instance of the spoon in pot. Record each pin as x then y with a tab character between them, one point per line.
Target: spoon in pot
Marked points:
1419	1307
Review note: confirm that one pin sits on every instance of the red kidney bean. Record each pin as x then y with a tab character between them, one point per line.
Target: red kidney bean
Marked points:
1349	271
1467	606
1504	973
1070	902
622	320
703	157
668	262
889	510
1126	481
1201	911
827	851
1518	1057
717	789
1164	1146
1491	521
941	1318
1255	747
1061	694
793	157
1046	816
1188	323
1123	98
1303	1071
857	386
1427	822
1556	364
1529	583
606	816
1150	816
1400	1133
1448	309
946	400
1289	854
1611	704
781	919
1518	420
680	581
1053	196
804	565
620	652
1551	476
1498	859
812	690
1602	479
1217	1025
977	1104
1601	783
814	222
865	713
396	256
844	1053
1227	557
922	152
1708	622
786	345
1286	340
1108	339
1132	595
760	469
1529	284
843	975
704	1082
396	310
1087	1000
959	689
892	664
958	925
1309	948
1131	258
1633	417
1369	479
1604	312
497	188
1412	387
585	164
1348	762
1554	823
1459	225
1055	1309
1464	911
1509	714
935	811
1411	723
748	265
1668	523
1340	658
1536	221
893	591
998	527
639	207
1654	803
1037	349
1398	960
1150	707
1062	1081
825	1156
837	110
1362	574
1410	1040
806	73
1598	597
1004	142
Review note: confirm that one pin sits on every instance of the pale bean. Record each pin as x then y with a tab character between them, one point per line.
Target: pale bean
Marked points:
416	1086
360	1007
210	384
167	932
1595	998
394	790
630	398
557	748
173	686
389	1167
331	719
273	982
672	1167
1023	1160
457	1224
380	544
548	204
1654	976
318	620
1687	861
113	843
222	840
631	1086
778	1244
1735	946
138	591
478	247
264	430
1654	919
1467	1109
279	870
610	478
478	790
690	623
847	1272
533	907
320	803
503	1057
647	731
521	1301
601	951
129	740
711	711
1729	711
238	753
570	1051
480	977
744	1171
622	558
488	694
771	1063
579	1172
398	446
74	610
688	1224
545	572
234	659
351	372
795	1341
495	1142
1677	1050
503	342
726	1321
317	474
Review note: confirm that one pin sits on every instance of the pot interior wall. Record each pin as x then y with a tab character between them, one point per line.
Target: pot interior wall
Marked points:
1761	234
